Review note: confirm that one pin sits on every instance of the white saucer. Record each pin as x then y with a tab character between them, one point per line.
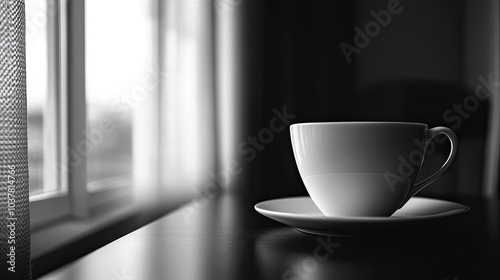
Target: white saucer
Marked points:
302	213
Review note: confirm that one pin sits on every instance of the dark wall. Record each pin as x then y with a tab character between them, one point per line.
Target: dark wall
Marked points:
412	70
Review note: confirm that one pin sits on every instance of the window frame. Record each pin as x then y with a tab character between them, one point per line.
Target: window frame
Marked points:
49	206
64	121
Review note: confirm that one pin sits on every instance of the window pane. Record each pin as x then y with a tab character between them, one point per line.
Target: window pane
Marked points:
36	86
118	46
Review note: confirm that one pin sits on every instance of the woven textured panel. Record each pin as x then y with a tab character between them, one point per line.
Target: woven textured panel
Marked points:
14	190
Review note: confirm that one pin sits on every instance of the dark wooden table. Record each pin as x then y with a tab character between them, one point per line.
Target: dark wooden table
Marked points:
227	239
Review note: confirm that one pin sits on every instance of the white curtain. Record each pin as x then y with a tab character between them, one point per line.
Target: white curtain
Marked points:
186	94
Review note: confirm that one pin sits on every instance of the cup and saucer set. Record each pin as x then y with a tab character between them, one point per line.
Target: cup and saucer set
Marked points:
360	177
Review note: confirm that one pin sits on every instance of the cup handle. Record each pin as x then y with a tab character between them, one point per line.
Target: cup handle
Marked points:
431	133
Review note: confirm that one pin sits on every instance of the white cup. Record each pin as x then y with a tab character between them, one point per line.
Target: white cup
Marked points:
364	168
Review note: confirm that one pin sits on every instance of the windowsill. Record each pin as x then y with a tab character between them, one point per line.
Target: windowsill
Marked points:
58	243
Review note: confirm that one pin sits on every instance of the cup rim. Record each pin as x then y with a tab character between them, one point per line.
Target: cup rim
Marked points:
358	122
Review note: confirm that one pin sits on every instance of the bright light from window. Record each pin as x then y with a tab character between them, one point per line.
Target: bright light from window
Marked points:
37	86
118	46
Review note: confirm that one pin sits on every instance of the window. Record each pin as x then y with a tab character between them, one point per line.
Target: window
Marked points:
37	80
46	118
118	80
118	53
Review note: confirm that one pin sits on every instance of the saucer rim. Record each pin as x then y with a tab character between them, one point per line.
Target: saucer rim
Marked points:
461	208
